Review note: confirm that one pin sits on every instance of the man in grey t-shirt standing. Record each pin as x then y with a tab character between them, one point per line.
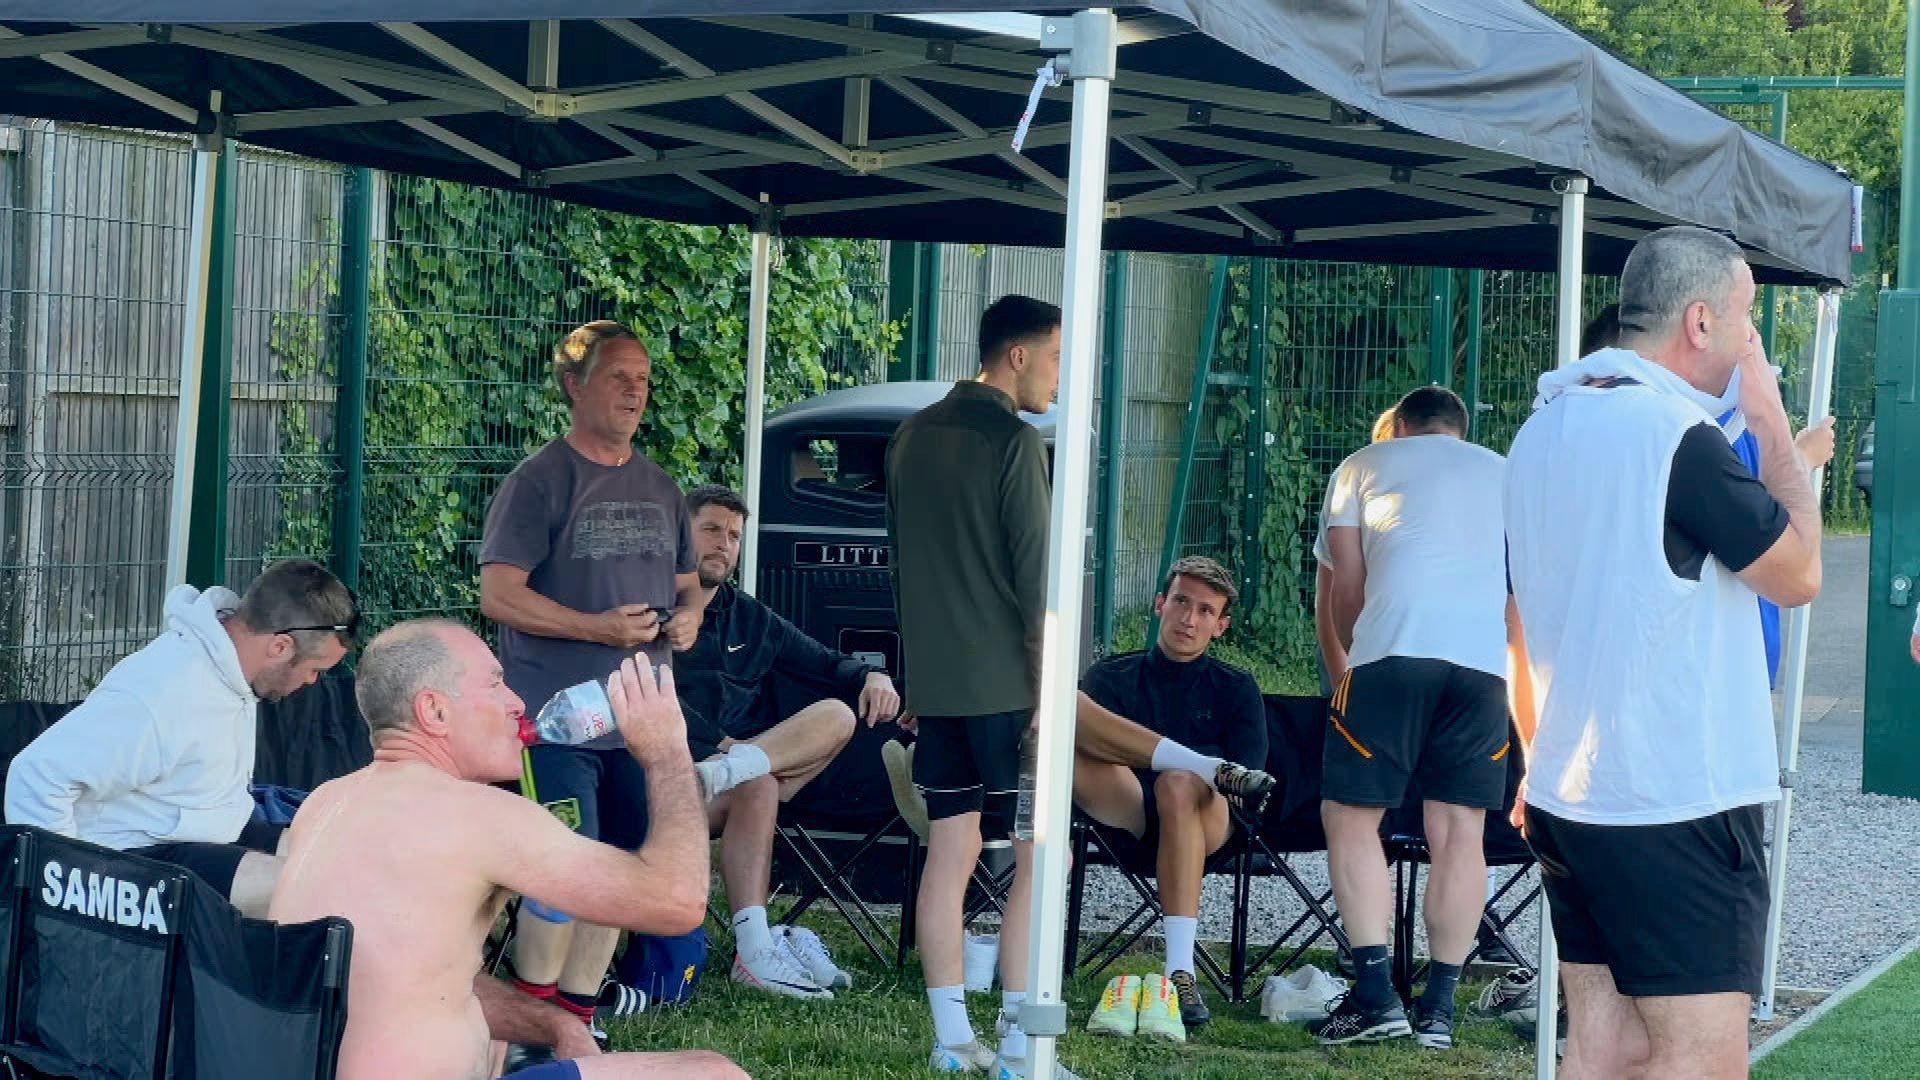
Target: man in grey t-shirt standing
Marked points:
587	558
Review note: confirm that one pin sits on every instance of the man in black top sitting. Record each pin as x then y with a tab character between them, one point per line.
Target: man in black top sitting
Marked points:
735	727
1165	737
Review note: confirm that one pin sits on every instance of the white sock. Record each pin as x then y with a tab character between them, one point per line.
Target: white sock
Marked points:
747	762
1169	755
750	932
1014	1043
1180	931
950	1024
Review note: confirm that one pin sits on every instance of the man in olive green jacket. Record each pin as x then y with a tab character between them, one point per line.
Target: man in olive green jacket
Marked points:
968	500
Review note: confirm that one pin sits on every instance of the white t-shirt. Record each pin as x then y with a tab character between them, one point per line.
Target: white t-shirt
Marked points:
1430	509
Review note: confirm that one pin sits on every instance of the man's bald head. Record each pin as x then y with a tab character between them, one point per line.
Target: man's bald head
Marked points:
406	660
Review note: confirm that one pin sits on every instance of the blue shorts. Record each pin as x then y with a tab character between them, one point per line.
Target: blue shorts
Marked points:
600	794
552	1070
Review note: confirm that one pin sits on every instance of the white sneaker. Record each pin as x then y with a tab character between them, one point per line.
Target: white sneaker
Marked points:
775	970
966	1058
1301	995
811	952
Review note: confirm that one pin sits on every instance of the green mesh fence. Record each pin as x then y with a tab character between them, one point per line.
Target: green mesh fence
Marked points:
92	246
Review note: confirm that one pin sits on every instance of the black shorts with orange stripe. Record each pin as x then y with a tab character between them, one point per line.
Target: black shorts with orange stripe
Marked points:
1437	723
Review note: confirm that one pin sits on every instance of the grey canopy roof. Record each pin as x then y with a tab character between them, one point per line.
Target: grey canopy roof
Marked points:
1412	132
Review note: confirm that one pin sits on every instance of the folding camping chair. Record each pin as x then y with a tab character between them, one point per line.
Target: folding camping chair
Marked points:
1296	737
1094	843
823	859
139	971
1296	728
1403	834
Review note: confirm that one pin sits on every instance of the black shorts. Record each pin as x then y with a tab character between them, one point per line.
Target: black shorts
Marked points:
971	765
257	835
1150	810
1430	720
703	735
1671	910
600	794
214	864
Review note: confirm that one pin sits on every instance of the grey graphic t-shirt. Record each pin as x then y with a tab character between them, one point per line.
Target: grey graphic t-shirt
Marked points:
591	537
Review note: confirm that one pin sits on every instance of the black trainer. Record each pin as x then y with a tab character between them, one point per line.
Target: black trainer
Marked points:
1247	787
1193	1009
1350	1022
1432	1028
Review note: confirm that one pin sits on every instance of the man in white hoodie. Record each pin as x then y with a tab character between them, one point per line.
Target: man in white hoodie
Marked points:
158	759
1637	542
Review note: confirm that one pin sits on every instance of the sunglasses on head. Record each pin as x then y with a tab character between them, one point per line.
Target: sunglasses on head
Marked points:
347	630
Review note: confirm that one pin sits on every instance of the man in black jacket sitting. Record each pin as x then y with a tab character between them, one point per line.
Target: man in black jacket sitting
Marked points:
1165	738
762	758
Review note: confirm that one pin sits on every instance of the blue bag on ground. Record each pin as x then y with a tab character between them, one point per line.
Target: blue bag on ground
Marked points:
667	968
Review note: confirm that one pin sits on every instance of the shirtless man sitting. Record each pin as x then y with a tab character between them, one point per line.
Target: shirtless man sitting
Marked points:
421	899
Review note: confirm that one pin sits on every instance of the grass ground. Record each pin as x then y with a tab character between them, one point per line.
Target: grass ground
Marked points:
1870	1034
881	1029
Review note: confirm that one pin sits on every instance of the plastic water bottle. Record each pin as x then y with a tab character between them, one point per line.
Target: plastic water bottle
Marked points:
576	715
1029	774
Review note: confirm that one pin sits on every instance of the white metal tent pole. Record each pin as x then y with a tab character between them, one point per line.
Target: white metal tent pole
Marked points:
1573	217
1820	388
760	285
1094	57
193	334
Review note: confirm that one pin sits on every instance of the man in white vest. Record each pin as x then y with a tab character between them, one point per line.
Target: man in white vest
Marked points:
1636	544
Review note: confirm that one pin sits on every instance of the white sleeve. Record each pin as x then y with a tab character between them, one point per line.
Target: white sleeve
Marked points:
107	746
1341	507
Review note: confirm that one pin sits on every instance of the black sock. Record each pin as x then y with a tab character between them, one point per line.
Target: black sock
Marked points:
580	1005
1442	981
1373	976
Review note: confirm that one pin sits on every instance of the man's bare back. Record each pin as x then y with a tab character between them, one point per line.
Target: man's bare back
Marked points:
398	849
419	858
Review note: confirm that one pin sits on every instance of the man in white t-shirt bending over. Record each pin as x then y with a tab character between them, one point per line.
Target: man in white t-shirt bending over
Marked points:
1637	542
1413	535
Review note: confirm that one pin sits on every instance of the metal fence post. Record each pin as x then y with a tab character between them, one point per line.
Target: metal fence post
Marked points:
903	298
1769	306
1440	329
927	310
350	404
1259	315
1113	450
207	539
1476	295
1190	435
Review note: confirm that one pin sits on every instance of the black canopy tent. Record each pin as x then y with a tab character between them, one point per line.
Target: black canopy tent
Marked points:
1472	133
1353	131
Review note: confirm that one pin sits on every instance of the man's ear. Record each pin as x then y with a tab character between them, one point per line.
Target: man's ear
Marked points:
1159	604
1696	324
432	713
279	646
1226	623
1016	358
